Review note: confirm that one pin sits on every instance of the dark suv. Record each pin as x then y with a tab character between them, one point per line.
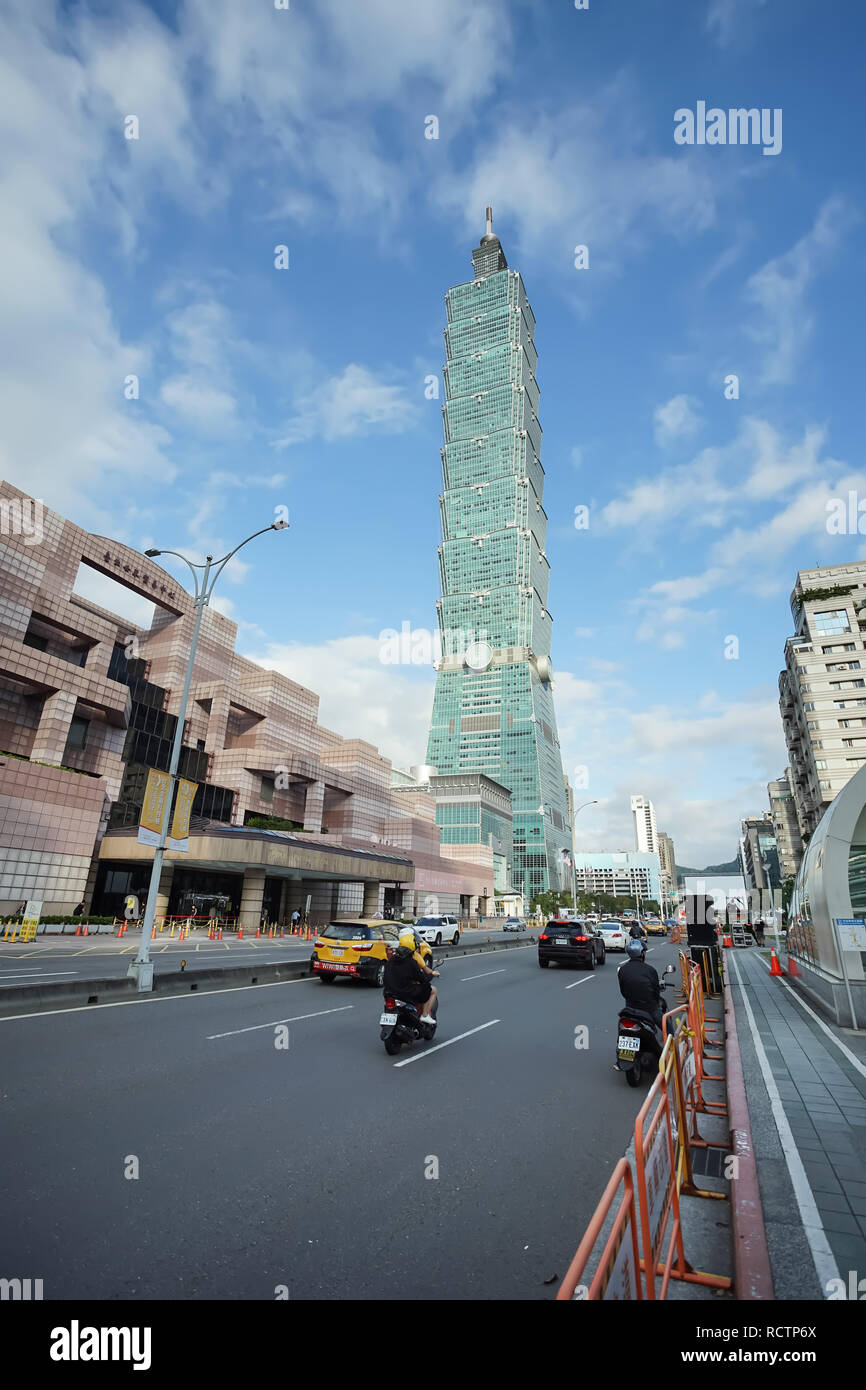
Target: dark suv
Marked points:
570	943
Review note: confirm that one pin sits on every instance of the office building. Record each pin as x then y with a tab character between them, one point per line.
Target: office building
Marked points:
493	707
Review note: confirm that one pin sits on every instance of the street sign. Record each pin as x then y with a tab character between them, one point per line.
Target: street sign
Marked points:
852	933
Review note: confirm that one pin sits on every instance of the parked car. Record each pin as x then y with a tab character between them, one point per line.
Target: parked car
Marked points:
358	949
438	929
614	935
514	924
570	943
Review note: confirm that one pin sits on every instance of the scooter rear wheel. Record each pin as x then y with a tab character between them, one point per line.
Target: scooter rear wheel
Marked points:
632	1076
392	1046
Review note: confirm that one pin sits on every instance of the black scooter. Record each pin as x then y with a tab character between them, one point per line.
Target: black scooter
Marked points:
401	1023
638	1046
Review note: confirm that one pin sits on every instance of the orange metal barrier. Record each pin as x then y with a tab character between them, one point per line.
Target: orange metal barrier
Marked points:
678	1060
656	1170
618	1273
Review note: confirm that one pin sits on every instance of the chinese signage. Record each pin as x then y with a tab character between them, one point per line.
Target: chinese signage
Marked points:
852	933
179	834
156	795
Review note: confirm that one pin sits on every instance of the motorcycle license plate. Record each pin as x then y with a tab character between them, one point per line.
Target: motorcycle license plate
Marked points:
388	1018
561	941
628	1045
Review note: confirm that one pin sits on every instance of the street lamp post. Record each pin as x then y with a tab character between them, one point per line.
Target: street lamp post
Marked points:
141	969
573	861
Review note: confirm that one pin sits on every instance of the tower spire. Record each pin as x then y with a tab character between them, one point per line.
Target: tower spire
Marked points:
489	220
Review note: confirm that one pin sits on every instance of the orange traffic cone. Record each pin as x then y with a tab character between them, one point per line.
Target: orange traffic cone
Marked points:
258	931
220	934
793	967
775	967
281	932
240	933
78	930
86	932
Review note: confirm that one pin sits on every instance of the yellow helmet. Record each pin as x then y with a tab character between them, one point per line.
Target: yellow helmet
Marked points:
407	939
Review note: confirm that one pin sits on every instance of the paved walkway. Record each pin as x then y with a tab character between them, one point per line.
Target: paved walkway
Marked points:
806	1087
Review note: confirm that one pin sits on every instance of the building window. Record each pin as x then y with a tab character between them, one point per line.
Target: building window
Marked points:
77	732
832	621
33	639
267	791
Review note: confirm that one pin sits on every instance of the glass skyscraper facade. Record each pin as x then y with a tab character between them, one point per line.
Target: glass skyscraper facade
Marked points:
493	707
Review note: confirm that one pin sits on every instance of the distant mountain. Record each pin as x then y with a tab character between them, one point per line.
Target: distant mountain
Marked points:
733	867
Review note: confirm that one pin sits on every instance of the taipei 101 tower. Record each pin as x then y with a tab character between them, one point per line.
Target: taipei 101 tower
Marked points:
493	707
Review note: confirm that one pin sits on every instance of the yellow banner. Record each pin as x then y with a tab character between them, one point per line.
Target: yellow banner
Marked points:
179	835
153	810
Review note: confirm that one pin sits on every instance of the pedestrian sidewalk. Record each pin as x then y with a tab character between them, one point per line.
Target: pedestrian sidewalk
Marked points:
806	1087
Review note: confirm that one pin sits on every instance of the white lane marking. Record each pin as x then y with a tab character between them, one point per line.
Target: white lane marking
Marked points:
233	1032
29	977
419	1056
822	1255
152	999
483	975
9	975
580	982
855	1061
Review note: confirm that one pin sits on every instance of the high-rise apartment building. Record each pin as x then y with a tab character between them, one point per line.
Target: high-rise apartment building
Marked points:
759	854
645	833
493	706
668	862
784	817
822	690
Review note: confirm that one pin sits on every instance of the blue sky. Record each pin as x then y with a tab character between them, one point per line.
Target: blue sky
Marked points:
305	387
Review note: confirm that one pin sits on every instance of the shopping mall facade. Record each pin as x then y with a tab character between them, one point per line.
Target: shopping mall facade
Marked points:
89	702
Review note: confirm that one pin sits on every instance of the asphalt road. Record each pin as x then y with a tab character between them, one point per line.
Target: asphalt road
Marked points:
304	1166
59	959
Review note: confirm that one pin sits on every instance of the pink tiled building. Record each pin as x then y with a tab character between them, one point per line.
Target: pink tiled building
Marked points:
88	702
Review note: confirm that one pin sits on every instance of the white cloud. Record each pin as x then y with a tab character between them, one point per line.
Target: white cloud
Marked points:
679	418
355	402
387	705
728	20
583	176
200	404
783	323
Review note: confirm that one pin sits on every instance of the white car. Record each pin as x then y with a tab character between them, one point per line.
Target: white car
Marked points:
435	930
614	934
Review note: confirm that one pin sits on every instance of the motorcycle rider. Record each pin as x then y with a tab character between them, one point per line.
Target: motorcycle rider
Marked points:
639	983
407	977
636	933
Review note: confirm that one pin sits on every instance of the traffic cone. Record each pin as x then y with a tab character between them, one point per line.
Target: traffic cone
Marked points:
775	967
281	932
240	933
793	967
85	932
220	934
78	930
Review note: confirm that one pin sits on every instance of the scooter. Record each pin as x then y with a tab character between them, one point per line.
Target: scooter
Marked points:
402	1023
638	1046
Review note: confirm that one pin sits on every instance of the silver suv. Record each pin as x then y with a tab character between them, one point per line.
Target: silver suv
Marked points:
437	929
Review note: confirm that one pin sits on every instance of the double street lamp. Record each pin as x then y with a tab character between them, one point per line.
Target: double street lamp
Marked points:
141	969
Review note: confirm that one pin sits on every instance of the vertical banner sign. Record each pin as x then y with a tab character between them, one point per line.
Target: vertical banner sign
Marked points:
153	810
178	837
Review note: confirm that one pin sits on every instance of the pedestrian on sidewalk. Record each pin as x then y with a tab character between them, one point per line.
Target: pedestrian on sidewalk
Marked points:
79	911
296	917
